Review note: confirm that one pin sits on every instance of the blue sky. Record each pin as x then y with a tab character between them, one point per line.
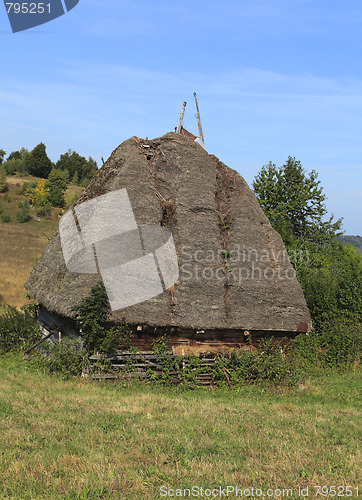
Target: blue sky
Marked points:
273	77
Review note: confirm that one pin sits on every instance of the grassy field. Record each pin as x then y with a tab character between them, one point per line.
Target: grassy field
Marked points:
78	439
22	244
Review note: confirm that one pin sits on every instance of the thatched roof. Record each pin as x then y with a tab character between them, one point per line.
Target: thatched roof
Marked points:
233	269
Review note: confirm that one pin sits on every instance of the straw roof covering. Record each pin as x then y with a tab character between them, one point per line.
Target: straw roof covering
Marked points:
234	272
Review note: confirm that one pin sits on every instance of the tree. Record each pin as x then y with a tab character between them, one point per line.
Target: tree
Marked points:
38	195
75	179
14	155
2	154
37	162
77	165
294	202
24	214
92	168
329	272
3	183
16	162
57	186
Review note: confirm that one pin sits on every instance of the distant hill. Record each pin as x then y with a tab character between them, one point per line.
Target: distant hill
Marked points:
356	241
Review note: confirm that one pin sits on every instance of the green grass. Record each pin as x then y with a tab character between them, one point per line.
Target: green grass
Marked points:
77	439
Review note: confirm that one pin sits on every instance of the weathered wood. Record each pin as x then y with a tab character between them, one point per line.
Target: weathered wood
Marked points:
127	364
40	341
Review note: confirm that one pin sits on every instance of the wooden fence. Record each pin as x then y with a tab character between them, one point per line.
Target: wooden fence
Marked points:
146	365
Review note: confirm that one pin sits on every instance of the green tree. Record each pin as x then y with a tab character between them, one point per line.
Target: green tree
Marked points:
329	272
3	183
37	162
92	168
57	186
77	165
293	201
14	155
24	214
2	154
75	179
16	162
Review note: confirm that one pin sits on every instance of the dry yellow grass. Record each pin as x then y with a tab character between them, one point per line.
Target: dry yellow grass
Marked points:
19	248
22	244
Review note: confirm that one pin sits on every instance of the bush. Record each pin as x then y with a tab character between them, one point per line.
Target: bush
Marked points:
98	334
24	214
43	210
338	345
18	329
15	165
67	357
269	364
5	218
9	167
332	283
27	187
341	343
272	363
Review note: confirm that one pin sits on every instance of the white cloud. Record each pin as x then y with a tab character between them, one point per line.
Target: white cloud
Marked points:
249	116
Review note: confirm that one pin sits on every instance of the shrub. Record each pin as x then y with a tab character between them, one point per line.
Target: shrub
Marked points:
43	210
341	343
15	165
97	332
337	345
272	362
305	351
24	214
9	167
269	364
5	218
67	357
18	329
332	283
39	197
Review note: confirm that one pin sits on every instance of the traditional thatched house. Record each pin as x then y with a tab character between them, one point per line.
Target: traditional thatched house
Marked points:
232	272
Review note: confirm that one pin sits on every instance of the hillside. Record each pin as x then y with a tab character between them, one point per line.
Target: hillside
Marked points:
22	244
355	241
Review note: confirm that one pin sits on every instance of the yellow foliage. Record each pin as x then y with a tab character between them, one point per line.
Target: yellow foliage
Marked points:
38	196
